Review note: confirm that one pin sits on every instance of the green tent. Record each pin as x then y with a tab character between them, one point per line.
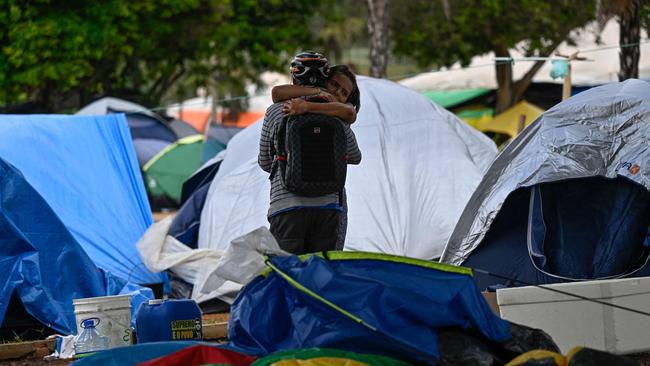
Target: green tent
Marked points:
450	98
165	173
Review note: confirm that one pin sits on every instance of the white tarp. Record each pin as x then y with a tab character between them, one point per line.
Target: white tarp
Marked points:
214	273
602	69
420	165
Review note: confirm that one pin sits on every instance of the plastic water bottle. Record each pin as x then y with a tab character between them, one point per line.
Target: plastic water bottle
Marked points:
89	340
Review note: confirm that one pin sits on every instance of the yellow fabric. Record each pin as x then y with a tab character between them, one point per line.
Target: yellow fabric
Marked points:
350	255
320	361
480	123
538	354
507	122
573	352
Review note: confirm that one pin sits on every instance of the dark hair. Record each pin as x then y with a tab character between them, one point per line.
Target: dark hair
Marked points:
355	96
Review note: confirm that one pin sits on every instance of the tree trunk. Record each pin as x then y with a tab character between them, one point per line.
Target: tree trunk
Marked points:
504	81
630	33
378	31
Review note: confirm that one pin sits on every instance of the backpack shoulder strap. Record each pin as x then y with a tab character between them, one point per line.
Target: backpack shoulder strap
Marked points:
280	146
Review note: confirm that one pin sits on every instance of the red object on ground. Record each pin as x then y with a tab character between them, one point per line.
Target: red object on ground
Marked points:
200	355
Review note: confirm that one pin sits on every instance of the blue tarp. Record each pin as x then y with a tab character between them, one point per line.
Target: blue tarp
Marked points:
406	303
86	169
42	262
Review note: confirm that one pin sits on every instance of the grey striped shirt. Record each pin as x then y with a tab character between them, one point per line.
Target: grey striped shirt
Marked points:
281	199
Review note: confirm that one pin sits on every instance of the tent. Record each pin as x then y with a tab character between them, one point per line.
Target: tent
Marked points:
513	120
324	356
218	136
568	198
182	128
143	123
86	170
165	173
149	131
602	48
420	165
203	176
360	302
42	262
187	220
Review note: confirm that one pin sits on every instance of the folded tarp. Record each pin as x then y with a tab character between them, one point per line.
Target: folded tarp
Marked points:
42	262
86	170
360	302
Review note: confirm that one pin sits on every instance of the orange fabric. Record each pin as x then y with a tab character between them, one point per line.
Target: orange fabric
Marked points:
199	118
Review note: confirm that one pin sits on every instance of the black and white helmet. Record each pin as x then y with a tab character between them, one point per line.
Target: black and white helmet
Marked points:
309	68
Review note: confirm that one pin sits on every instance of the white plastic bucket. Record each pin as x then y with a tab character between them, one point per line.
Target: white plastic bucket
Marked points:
114	314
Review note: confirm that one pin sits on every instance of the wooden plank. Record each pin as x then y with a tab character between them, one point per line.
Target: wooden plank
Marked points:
215	331
37	349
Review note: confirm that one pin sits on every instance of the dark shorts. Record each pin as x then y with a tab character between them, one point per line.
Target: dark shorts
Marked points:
306	230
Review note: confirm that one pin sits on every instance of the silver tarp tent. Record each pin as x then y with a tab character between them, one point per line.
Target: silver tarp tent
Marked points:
602	132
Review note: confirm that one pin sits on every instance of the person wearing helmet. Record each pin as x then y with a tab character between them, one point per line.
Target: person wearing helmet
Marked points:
309	224
316	89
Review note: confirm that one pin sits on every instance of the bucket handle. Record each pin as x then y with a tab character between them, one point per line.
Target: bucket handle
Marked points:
96	322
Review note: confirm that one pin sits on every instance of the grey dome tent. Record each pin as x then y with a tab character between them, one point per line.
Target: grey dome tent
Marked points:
569	198
143	123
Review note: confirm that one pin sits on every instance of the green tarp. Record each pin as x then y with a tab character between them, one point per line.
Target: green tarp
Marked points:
450	98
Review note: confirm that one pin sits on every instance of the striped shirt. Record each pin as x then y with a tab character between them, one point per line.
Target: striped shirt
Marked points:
281	199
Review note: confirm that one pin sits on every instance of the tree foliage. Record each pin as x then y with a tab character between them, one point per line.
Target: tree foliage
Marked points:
442	33
61	54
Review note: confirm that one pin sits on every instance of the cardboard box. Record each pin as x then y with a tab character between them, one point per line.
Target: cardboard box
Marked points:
491	298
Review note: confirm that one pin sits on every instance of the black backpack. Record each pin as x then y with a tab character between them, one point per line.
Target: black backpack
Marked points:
311	154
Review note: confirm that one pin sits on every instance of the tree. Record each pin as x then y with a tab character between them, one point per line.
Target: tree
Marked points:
378	20
628	13
441	33
59	55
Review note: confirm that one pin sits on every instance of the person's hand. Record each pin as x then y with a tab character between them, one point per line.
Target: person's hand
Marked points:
326	96
295	106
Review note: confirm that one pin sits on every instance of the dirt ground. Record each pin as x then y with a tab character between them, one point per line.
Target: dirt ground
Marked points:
35	362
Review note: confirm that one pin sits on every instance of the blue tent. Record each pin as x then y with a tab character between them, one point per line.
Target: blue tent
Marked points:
360	302
568	199
86	170
41	260
187	221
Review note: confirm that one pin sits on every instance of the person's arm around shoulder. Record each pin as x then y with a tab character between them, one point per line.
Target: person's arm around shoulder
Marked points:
344	111
280	93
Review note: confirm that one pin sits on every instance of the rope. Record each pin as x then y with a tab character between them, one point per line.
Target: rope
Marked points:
478	270
440	70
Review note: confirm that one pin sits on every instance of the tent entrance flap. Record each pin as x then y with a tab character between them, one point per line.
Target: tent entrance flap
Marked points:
588	228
